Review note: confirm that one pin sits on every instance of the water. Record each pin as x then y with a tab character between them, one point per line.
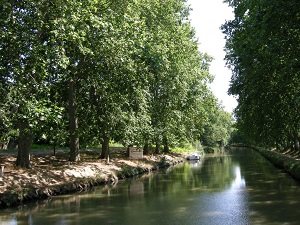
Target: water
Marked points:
239	187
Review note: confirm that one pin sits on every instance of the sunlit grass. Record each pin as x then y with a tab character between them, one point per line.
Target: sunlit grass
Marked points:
187	148
47	147
183	149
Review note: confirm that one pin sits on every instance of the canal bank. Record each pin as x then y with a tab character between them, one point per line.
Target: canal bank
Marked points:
238	186
285	162
45	179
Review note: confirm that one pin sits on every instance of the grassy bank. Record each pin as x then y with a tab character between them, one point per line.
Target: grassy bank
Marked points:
287	163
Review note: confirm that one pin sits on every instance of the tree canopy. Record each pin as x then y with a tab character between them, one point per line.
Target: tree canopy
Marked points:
86	72
262	48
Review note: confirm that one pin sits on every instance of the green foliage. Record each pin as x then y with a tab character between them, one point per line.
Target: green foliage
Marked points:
184	148
188	147
262	49
209	150
41	147
218	130
95	71
237	137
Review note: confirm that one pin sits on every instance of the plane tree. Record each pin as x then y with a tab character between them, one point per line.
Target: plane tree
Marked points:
95	71
24	60
177	73
262	45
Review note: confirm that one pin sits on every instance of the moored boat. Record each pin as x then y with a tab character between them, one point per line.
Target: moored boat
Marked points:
194	156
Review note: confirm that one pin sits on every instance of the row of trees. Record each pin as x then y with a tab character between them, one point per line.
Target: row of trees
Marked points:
263	45
95	71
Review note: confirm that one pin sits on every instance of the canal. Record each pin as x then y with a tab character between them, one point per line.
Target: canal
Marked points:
237	187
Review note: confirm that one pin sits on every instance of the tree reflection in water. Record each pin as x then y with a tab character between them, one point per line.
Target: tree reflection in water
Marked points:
236	188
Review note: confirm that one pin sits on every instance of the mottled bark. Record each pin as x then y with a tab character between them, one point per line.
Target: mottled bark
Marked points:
128	149
73	124
146	149
24	145
156	148
105	147
166	145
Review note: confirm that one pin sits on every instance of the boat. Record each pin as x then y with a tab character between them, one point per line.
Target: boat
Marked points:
194	156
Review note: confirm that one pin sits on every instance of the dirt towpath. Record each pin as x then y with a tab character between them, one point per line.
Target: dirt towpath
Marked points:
52	175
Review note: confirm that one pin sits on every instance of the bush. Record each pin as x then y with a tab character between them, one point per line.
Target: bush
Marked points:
209	150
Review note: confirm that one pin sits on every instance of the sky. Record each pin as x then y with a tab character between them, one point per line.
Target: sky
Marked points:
206	17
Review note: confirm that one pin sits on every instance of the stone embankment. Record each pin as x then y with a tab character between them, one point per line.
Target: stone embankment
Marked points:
49	177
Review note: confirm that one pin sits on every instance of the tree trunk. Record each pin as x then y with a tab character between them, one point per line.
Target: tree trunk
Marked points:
105	147
156	148
24	145
296	144
128	150
54	150
166	146
146	149
73	128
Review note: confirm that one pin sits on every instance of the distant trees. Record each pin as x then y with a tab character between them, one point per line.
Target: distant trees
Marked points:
262	49
217	131
87	72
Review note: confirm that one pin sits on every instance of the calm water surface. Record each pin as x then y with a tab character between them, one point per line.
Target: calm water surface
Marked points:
238	187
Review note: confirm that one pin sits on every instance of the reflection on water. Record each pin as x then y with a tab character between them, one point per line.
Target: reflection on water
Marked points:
239	181
235	188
